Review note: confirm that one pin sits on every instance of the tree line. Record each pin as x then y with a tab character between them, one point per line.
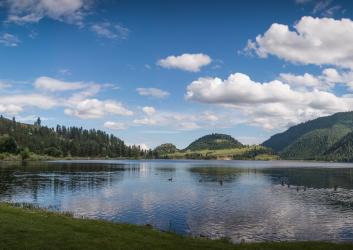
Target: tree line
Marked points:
62	141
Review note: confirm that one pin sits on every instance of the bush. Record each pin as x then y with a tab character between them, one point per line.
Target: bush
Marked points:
25	154
8	144
53	151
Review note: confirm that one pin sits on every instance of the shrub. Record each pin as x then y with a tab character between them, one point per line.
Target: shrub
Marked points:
8	144
25	154
53	151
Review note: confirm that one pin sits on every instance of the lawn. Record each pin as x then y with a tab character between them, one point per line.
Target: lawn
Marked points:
22	228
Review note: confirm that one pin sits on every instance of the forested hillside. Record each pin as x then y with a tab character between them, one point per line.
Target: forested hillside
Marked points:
63	141
166	148
214	142
342	150
279	141
313	140
314	144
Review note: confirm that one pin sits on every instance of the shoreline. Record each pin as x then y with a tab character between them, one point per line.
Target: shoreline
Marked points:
33	228
43	158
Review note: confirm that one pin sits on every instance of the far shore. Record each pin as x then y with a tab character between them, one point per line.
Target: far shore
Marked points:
45	158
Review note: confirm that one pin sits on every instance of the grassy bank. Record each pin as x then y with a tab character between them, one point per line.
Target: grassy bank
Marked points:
36	157
243	153
30	157
35	229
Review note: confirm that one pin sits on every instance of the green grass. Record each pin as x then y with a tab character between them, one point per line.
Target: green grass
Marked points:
227	154
30	228
17	157
36	157
218	152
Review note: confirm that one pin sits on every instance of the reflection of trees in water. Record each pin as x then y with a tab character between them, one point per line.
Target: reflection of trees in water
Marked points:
57	178
166	169
275	212
312	177
301	177
6	179
329	186
215	174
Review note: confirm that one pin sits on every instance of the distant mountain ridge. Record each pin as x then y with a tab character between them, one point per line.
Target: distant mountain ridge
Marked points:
315	139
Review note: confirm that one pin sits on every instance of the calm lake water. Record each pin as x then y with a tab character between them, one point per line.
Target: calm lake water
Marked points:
250	200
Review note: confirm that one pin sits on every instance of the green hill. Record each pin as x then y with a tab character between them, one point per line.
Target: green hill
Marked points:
217	146
214	142
166	148
313	139
62	141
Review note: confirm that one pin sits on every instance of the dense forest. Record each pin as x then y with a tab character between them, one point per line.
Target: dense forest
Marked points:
282	140
342	150
62	141
324	138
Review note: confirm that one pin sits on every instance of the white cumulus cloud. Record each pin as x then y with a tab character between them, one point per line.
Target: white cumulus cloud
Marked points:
325	81
271	105
319	41
187	62
10	109
52	84
31	11
94	108
115	125
306	80
14	104
82	103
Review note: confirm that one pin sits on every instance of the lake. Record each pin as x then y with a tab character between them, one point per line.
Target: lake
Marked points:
243	200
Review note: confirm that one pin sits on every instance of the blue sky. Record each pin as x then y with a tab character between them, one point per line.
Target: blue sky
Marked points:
170	71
